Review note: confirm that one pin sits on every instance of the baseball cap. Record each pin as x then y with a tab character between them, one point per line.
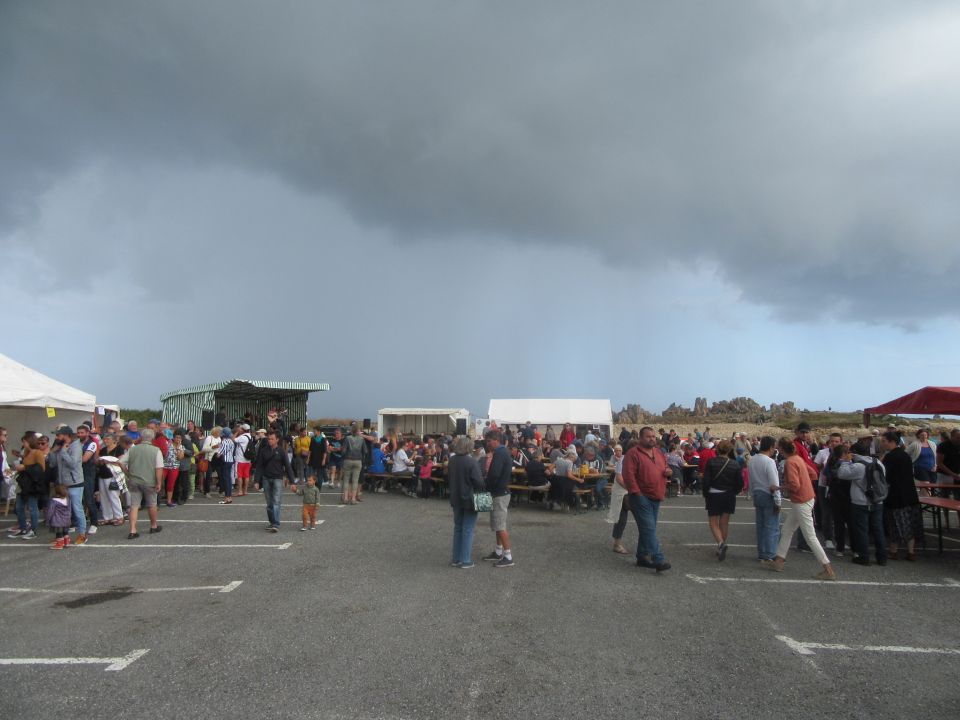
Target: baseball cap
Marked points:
64	430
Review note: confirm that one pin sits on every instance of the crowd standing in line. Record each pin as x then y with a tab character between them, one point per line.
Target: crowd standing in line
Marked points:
862	491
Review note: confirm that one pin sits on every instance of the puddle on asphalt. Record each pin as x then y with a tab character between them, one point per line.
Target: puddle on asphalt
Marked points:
96	598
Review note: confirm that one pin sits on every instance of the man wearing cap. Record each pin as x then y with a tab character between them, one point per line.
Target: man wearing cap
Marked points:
67	457
242	441
498	475
88	448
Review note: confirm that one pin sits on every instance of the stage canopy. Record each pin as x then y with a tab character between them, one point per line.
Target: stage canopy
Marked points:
421	421
930	400
236	397
583	413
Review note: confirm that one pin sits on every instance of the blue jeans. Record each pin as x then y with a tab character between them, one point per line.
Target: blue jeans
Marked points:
89	499
226	479
76	509
464	521
867	523
599	492
768	526
273	493
22	503
645	512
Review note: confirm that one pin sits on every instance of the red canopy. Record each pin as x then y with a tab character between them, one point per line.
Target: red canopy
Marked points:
925	401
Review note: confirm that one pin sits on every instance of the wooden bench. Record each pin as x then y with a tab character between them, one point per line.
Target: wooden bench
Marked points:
939	508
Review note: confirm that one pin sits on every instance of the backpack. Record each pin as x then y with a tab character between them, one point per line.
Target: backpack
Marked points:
875	481
250	452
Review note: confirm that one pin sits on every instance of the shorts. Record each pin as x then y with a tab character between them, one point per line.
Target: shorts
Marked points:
334	463
724	503
243	470
498	513
142	492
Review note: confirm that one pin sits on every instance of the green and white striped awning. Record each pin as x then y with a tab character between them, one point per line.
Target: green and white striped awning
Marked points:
250	389
237	397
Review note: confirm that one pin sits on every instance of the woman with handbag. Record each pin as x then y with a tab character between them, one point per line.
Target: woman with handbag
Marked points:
108	468
30	476
464	481
722	482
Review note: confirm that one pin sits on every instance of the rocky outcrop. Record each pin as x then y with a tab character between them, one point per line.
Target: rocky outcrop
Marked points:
632	415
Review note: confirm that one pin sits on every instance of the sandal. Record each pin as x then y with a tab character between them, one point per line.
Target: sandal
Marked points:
133	536
621	550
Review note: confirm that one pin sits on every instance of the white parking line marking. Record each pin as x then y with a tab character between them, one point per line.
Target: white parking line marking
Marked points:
114	664
46	591
950	583
807	648
132	545
228	522
945	537
258	506
696	522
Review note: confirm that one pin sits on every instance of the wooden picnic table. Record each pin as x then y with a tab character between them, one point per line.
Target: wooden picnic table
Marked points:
938	486
939	507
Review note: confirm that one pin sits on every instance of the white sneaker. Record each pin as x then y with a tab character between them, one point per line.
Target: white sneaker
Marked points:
28	535
92	530
828	544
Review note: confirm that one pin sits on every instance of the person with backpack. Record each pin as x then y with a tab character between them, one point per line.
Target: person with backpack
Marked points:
868	490
245	452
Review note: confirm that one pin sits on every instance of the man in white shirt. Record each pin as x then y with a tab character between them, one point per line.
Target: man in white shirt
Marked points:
765	488
242	441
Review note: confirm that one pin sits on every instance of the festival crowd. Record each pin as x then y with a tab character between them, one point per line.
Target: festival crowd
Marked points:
845	495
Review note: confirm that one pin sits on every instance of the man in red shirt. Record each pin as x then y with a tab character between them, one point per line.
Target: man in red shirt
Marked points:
645	475
706	454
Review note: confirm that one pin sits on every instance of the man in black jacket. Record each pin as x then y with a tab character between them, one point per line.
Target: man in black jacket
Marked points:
499	468
271	468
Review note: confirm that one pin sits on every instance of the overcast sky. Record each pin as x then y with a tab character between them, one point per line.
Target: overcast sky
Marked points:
437	203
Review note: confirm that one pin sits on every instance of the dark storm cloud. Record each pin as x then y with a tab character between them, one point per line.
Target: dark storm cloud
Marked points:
807	149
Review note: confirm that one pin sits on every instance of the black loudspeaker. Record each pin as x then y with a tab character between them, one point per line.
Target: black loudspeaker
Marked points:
461	426
206	419
366	423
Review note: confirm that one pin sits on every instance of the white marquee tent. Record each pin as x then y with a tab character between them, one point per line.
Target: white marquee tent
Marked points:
582	413
25	395
421	421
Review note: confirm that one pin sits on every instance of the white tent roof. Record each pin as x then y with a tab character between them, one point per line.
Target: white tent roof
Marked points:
22	387
456	412
552	412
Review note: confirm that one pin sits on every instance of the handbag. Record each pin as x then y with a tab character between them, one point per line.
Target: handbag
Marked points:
482	502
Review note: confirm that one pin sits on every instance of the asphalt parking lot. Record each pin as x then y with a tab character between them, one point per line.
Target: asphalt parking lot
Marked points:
364	618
